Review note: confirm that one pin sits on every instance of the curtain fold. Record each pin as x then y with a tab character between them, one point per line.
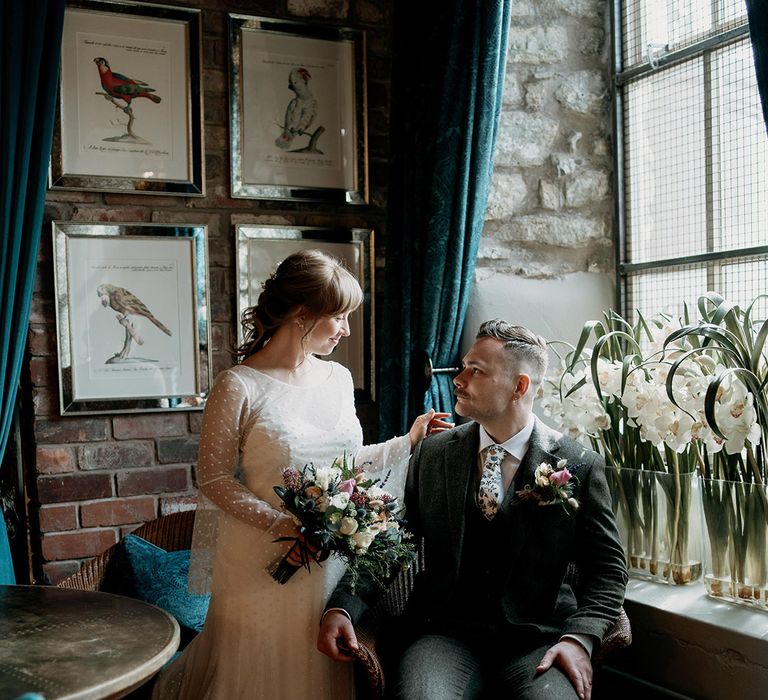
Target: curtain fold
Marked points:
30	47
447	86
757	12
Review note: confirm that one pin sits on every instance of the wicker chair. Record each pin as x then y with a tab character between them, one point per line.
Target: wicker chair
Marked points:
368	656
106	572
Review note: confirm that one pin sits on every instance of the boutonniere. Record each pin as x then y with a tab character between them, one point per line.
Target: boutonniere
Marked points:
552	485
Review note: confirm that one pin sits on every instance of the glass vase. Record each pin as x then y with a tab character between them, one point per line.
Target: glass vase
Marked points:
736	562
660	523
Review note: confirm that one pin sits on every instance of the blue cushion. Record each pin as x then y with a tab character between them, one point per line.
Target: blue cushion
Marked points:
160	578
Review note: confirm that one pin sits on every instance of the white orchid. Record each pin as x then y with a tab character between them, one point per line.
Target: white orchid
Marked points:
736	415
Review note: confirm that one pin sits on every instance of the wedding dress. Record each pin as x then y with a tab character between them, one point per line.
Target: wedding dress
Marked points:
259	639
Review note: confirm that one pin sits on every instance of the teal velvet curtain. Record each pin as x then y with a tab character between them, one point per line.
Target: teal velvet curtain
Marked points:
757	12
30	46
448	75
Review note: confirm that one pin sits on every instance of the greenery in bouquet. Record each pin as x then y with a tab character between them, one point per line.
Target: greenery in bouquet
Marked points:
342	511
730	343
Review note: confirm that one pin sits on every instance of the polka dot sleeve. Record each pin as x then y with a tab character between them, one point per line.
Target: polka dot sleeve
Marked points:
226	415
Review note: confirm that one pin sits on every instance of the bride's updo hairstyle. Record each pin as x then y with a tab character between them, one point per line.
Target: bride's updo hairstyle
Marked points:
309	279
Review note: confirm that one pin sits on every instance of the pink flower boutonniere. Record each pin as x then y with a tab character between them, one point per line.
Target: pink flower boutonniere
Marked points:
552	485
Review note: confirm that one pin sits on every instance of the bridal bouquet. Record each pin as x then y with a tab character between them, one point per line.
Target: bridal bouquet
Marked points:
343	511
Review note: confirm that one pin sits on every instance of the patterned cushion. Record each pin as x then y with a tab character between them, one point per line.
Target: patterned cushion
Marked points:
160	578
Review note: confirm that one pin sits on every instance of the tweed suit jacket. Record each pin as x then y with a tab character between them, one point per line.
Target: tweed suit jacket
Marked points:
541	540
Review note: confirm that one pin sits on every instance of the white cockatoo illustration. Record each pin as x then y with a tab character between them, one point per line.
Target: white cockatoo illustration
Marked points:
301	111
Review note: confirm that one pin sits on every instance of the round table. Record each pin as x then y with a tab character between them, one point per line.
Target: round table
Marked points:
79	645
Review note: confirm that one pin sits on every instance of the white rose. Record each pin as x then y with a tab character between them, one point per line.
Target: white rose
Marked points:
340	500
348	526
376	528
362	540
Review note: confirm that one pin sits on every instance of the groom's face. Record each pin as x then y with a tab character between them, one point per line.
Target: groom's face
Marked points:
485	386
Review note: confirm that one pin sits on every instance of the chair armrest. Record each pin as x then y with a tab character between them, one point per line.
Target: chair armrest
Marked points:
618	637
367	657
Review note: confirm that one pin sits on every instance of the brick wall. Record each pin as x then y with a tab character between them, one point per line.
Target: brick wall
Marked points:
92	479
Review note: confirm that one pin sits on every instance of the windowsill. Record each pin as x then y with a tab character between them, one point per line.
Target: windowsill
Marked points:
692	602
695	645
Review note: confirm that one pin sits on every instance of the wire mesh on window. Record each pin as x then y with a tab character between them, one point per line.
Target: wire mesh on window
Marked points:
665	164
696	158
666	290
652	28
740	150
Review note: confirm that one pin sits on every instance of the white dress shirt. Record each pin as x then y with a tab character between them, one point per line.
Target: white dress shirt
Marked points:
514	451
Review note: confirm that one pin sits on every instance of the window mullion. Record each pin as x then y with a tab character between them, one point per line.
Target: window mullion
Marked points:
712	161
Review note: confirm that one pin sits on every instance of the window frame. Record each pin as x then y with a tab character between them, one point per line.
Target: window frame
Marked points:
621	77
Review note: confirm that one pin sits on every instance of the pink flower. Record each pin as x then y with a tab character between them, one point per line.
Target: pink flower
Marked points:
560	478
347	486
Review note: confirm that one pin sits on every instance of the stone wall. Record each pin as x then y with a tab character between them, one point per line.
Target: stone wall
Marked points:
91	479
547	254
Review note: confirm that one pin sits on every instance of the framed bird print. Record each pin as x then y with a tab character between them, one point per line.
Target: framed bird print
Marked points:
131	316
298	111
261	248
129	116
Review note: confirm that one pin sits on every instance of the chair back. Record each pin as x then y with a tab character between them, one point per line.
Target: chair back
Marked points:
107	572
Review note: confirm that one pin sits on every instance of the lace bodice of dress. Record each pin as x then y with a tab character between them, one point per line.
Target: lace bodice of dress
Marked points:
255	426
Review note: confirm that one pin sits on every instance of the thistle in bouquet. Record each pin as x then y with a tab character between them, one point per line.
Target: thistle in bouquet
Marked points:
342	511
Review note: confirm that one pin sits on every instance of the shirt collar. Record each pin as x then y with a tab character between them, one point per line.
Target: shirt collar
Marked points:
517	445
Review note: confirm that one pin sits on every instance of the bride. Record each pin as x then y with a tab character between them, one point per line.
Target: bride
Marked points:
281	406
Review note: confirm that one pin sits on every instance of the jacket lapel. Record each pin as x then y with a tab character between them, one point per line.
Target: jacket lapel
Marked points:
459	459
541	448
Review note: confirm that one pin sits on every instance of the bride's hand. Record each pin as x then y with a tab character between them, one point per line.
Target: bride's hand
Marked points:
428	423
284	526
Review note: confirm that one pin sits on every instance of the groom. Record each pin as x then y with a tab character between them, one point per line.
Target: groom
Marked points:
490	612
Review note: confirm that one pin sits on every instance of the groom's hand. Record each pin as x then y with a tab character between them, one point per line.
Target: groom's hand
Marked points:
573	660
337	636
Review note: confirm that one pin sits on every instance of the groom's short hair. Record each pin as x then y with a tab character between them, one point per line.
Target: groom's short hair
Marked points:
522	345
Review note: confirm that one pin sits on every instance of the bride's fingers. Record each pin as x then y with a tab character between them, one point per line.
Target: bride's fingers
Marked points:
437	425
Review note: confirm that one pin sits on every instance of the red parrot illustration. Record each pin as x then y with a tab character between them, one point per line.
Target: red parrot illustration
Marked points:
120	86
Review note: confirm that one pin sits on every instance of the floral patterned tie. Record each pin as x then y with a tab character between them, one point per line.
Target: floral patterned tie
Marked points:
490	482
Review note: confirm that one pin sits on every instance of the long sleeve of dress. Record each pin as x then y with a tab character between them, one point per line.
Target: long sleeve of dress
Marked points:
226	417
225	420
388	459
